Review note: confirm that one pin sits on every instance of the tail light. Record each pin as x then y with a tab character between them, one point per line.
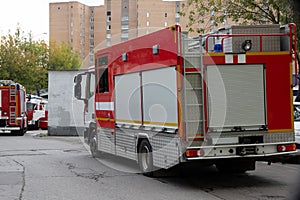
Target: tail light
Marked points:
286	147
194	153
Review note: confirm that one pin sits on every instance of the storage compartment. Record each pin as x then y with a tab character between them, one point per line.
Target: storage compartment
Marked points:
269	43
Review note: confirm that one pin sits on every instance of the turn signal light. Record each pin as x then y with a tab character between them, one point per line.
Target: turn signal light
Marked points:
286	147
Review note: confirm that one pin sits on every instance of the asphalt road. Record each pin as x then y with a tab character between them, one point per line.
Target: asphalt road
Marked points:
35	168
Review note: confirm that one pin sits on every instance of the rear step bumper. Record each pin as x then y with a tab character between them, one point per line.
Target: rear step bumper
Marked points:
240	151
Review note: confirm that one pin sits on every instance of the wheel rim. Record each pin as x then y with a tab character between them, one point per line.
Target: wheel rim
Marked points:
145	158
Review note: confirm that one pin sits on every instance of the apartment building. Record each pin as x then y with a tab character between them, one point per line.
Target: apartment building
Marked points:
88	28
74	23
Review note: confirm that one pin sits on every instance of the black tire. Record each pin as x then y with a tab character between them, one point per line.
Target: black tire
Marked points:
94	144
21	132
36	125
145	158
18	133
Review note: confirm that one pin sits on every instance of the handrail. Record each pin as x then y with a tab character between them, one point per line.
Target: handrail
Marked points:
293	48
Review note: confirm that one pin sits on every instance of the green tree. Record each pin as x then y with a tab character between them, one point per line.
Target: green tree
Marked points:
23	60
239	11
62	57
27	61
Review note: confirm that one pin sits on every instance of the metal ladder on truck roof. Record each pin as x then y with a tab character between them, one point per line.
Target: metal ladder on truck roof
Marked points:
12	104
193	89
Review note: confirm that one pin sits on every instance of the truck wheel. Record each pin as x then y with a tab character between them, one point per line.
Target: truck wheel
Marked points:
21	132
36	125
18	133
94	144
145	158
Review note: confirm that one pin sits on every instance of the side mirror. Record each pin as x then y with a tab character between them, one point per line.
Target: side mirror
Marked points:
77	87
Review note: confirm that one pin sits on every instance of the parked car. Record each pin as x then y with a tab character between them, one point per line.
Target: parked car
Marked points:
297	123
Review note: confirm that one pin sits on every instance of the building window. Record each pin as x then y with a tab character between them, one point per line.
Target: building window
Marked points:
71	24
166	14
108	13
58	8
108	19
124	35
125	18
124	27
108	27
91	42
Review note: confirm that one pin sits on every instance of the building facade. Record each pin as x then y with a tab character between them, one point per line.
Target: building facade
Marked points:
89	28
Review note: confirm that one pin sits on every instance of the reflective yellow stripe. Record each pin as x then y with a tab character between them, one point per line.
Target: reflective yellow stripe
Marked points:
281	130
160	123
129	121
148	122
105	119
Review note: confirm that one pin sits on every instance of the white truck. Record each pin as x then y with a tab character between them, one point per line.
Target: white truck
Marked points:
37	112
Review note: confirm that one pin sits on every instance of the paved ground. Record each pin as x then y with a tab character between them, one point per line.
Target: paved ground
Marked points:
34	168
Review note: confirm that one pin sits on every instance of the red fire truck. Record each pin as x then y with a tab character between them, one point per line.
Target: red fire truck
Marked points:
222	98
13	117
37	112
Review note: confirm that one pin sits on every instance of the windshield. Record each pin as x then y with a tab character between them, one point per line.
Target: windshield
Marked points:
296	112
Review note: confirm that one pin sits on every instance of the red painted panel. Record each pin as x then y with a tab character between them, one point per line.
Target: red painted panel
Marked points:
29	114
140	57
278	86
5	101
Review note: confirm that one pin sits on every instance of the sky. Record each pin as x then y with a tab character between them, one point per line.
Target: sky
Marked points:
32	16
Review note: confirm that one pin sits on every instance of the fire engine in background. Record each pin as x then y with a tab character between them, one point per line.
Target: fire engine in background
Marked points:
223	98
37	112
13	117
